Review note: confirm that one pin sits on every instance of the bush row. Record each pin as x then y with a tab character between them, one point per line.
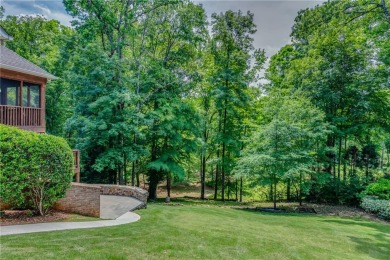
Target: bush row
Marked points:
376	206
35	169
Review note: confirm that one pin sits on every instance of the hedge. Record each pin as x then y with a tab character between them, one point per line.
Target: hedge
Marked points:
35	169
377	206
380	189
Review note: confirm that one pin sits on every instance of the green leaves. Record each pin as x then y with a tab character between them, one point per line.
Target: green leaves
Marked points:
130	83
36	169
286	147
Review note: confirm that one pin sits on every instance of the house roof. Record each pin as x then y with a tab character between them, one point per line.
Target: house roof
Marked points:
4	36
12	61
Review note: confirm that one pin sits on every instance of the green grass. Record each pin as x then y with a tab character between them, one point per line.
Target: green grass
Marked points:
206	231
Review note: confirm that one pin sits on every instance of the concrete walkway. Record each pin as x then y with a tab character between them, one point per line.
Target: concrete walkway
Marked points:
126	218
112	207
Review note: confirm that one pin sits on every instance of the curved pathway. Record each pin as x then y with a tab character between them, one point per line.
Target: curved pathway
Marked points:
126	218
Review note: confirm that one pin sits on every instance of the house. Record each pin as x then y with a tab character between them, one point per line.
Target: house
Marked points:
22	93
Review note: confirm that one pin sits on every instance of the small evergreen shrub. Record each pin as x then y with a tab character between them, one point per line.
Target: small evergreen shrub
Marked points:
35	169
380	189
377	206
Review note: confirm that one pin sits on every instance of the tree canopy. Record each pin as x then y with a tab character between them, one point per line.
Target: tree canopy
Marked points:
155	93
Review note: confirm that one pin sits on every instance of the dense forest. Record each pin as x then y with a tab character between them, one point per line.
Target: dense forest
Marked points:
155	92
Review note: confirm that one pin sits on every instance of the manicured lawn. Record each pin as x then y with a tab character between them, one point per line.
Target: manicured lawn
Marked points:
209	232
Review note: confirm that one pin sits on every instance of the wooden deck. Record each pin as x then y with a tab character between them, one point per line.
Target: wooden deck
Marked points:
27	118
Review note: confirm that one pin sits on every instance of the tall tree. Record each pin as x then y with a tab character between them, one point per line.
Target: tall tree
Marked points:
339	57
233	51
103	85
285	147
169	79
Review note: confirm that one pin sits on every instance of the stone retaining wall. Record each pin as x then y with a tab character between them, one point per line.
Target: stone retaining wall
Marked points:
84	199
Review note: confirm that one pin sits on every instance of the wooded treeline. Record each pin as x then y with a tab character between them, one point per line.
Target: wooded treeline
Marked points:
156	92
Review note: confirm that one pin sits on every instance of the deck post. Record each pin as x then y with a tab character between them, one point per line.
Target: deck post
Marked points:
76	163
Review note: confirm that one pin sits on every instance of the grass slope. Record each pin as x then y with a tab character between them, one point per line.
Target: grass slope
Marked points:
210	232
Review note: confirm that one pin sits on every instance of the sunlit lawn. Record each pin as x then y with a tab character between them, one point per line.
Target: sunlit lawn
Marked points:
210	232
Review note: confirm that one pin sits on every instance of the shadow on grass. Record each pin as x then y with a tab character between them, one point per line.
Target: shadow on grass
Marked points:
358	222
280	213
195	201
377	245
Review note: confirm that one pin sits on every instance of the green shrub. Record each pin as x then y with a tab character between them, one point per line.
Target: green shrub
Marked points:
379	207
35	169
380	189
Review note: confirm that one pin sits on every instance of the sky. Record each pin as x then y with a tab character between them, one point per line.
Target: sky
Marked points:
273	18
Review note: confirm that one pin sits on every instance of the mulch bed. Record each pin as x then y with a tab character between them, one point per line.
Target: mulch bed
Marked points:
321	209
172	204
17	217
345	211
281	210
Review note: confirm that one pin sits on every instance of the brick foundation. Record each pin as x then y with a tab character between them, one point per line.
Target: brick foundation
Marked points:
84	199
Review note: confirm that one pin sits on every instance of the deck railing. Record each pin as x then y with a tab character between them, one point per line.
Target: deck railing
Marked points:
20	116
76	163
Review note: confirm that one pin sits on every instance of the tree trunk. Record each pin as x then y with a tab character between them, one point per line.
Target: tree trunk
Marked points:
216	179
236	190
217	166
241	189
228	190
223	152
153	182
115	175
329	155
339	159
300	189
137	175
124	170
120	174
168	185
345	161
275	193
133	173
203	177
223	173
288	190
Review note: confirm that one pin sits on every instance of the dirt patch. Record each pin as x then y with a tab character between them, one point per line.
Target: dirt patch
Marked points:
344	211
320	209
17	217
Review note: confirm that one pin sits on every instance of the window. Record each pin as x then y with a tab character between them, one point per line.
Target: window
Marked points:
9	92
31	95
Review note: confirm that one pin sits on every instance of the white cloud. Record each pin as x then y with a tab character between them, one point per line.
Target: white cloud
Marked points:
46	10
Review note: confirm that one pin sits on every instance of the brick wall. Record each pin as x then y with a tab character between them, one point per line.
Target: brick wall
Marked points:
84	199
